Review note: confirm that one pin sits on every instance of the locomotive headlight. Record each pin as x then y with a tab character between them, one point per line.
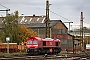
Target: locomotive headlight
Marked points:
28	49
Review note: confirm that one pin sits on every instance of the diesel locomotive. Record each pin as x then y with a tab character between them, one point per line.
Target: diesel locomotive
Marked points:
36	45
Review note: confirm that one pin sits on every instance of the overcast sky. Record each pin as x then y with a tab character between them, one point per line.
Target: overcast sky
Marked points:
64	10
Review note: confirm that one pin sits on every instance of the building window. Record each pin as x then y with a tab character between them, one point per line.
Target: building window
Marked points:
60	31
42	31
56	31
64	31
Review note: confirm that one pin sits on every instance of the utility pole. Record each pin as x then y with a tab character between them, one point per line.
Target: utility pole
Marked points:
47	20
81	31
69	25
73	43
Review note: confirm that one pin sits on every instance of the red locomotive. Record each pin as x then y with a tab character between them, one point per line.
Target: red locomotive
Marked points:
36	45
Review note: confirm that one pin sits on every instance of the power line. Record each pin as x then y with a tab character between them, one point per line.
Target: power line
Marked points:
86	22
59	15
3	6
64	17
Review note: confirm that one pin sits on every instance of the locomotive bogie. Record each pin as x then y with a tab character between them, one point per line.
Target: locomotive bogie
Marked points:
32	51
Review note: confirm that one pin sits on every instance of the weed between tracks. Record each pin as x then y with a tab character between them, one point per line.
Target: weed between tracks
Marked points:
12	54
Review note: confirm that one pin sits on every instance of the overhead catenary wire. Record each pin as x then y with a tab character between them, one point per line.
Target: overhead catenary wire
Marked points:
7	9
86	22
65	18
4	6
60	15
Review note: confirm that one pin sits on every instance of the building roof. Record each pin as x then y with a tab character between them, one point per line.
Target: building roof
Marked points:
31	19
56	21
41	25
35	21
36	25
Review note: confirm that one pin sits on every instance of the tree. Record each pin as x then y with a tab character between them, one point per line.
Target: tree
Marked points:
10	27
16	32
25	32
2	36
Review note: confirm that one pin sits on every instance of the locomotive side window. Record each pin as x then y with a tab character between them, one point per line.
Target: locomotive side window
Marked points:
29	42
56	43
35	42
44	43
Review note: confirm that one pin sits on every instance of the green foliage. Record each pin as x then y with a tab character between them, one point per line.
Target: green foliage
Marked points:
17	33
10	27
12	54
2	36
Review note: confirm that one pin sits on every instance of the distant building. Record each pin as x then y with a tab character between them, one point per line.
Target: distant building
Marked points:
57	29
78	39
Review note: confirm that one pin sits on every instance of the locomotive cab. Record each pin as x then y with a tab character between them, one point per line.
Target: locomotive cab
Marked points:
32	45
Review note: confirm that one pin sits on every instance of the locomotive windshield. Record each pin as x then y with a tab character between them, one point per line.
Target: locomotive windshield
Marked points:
35	42
32	42
29	42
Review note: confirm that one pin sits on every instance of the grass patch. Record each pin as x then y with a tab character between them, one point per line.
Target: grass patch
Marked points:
12	54
5	54
63	52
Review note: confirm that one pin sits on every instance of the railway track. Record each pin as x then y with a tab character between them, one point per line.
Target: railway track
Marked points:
48	57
